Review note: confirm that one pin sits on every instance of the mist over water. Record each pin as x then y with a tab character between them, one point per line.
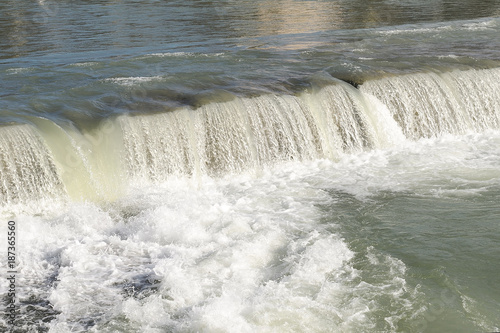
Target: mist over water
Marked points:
251	166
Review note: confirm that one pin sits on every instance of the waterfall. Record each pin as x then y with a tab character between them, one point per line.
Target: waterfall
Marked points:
94	162
27	170
228	137
430	104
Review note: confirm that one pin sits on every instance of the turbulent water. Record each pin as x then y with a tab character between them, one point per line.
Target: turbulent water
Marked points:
251	166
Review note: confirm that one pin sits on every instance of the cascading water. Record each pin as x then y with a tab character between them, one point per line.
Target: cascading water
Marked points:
477	93
429	104
27	170
244	133
247	132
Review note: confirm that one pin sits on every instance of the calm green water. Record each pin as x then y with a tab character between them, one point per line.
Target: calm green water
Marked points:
251	166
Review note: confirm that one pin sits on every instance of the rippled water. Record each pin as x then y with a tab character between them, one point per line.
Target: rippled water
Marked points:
73	60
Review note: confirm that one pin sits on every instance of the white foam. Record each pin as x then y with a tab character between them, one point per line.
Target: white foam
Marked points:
417	30
213	249
184	54
172	54
241	253
481	26
19	70
133	80
85	64
451	56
